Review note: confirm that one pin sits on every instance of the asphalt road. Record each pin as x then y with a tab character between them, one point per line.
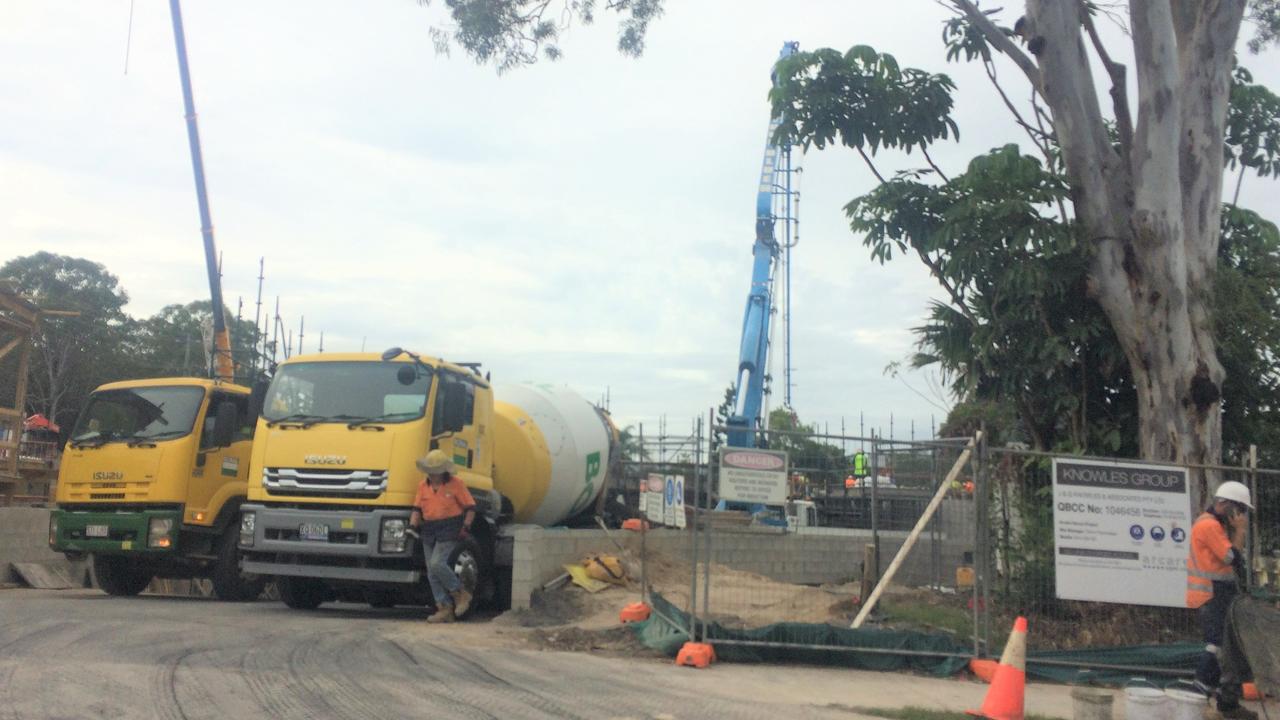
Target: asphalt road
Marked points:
82	654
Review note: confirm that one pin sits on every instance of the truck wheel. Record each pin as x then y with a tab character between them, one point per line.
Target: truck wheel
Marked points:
120	576
228	582
468	564
301	593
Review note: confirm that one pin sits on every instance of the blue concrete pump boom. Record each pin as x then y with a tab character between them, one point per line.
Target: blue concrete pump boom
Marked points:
749	385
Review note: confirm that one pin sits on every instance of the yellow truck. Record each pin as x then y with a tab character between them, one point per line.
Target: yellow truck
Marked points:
151	484
333	475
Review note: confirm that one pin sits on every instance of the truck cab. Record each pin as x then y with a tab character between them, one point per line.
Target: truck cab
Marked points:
334	472
151	483
334	475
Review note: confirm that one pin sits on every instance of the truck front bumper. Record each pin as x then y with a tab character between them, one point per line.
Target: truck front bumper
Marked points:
349	549
110	533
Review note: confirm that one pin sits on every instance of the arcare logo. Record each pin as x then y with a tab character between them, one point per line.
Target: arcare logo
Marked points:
754	460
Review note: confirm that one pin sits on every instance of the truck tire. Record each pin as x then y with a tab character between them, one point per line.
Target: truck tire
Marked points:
468	563
120	576
229	583
301	593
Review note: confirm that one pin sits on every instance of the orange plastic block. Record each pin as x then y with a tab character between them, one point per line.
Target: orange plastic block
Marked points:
635	612
635	524
984	669
698	655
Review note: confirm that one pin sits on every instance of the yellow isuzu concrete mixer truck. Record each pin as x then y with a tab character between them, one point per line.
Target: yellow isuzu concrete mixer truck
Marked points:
332	478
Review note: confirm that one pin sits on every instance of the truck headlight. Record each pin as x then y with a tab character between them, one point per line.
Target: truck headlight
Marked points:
160	533
248	523
392	537
53	530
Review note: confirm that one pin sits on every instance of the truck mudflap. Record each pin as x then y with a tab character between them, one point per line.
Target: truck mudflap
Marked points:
329	544
111	533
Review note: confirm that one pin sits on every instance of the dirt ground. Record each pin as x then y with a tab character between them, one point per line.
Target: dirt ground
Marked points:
82	654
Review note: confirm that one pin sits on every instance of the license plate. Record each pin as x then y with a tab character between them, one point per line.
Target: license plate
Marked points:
313	531
98	531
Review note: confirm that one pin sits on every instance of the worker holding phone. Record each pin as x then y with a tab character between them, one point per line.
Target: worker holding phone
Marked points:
1217	549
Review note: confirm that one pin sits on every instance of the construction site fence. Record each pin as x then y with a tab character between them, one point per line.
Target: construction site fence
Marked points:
984	557
1015	568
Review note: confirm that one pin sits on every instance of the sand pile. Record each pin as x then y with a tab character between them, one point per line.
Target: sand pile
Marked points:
737	599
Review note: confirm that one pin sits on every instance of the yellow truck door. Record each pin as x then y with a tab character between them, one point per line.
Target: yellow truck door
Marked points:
457	423
219	473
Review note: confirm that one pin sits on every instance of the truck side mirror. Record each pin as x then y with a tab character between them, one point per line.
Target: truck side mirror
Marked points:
454	416
258	398
224	423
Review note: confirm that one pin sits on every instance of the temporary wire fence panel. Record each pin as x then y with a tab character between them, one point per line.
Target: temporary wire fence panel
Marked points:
788	575
1017	486
801	568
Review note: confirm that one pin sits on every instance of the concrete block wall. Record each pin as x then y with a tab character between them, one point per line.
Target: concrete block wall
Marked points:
24	537
809	557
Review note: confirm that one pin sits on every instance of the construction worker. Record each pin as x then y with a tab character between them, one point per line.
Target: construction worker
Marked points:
860	465
443	511
1217	548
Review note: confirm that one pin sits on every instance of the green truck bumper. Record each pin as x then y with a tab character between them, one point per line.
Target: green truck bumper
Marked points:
110	533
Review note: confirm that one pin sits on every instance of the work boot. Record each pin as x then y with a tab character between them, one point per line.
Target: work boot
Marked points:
443	614
1238	712
461	602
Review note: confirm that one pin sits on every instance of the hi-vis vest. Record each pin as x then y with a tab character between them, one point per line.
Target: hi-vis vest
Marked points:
1206	563
860	465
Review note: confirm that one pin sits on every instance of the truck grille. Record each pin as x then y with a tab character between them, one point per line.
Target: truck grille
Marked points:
324	483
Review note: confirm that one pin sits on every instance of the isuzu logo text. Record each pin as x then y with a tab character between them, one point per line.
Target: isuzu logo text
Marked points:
108	475
325	459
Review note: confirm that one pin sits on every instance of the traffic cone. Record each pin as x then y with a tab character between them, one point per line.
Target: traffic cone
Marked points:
1005	697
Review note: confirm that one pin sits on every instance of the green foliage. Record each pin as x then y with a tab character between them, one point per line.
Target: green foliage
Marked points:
863	98
819	461
999	419
511	33
72	355
1247	322
171	342
1253	126
1024	332
1265	16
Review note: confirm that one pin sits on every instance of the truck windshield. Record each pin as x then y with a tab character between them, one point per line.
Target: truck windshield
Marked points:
142	413
350	392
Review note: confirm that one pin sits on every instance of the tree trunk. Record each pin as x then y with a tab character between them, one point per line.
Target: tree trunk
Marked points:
1151	210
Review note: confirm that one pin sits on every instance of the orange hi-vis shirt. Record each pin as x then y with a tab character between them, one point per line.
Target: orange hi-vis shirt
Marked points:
1209	560
448	501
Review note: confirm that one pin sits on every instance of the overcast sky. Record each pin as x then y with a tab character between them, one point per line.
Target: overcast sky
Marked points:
586	222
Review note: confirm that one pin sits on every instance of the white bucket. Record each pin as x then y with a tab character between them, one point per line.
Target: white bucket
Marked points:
1144	701
1186	702
1090	704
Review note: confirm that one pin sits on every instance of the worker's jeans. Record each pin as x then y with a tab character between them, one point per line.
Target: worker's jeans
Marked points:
1213	621
442	578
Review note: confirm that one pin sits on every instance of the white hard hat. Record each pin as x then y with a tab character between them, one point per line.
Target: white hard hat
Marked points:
1235	492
